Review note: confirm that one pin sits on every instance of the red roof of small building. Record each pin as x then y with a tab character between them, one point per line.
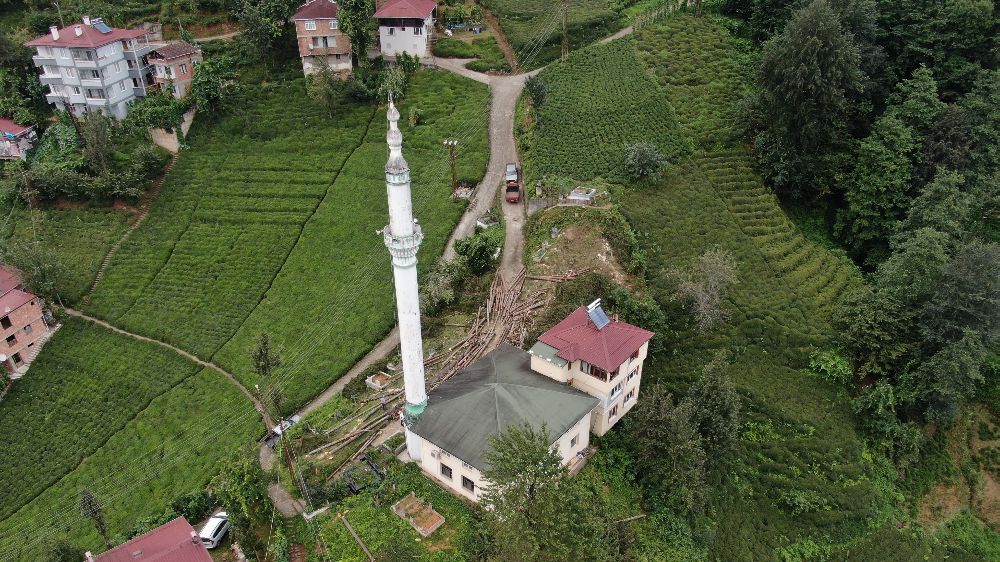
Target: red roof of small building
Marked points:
406	9
89	37
14	299
8	281
316	10
577	338
170	542
173	50
9	126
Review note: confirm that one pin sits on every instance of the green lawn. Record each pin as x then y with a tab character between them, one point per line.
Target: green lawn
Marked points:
173	446
331	301
78	240
88	384
600	101
534	27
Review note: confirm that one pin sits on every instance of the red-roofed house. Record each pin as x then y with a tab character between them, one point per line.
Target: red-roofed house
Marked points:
173	67
600	356
91	66
15	140
175	541
22	326
320	39
406	26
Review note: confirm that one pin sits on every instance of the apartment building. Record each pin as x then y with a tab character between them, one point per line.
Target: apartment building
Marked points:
91	66
321	42
173	67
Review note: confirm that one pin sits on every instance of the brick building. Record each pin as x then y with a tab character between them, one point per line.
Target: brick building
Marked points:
173	67
21	323
320	39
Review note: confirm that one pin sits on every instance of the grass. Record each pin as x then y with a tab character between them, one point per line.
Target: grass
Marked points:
261	228
82	392
174	445
534	27
78	240
604	96
485	49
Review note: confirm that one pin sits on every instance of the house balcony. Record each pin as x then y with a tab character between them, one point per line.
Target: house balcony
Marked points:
326	51
85	63
40	60
91	83
47	79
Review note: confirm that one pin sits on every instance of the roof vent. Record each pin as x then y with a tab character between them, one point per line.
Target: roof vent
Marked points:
55	32
597	315
86	20
78	29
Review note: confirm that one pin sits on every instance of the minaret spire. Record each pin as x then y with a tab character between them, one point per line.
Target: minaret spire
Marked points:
402	238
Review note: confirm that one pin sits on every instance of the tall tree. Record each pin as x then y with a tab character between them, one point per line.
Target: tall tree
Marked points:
212	87
807	75
966	298
356	21
534	510
941	205
264	21
91	508
241	488
668	452
716	410
264	358
96	135
704	284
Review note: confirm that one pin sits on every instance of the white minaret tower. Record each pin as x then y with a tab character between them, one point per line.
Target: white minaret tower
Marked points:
403	237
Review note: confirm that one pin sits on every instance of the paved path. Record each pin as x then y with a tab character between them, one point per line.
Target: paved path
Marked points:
283	501
181	352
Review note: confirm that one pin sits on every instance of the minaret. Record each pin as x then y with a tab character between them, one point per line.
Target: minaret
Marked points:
403	237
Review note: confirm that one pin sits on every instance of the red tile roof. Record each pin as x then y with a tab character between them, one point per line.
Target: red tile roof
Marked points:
316	10
89	37
406	9
170	542
8	126
14	299
8	281
577	338
173	50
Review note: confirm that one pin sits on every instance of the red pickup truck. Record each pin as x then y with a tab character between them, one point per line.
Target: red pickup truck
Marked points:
513	184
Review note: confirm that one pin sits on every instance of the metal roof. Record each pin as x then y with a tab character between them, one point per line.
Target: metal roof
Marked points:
316	10
577	337
548	353
13	300
10	127
495	392
174	49
406	9
89	37
170	542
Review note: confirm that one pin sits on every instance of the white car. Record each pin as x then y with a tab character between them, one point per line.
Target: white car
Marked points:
215	528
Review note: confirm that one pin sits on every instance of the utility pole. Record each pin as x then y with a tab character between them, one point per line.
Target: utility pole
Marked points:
59	9
565	52
452	144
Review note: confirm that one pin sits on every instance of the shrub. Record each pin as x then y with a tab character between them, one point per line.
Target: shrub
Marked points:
480	250
537	89
831	366
643	161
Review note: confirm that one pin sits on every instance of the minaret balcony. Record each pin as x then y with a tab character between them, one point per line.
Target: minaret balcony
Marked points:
403	246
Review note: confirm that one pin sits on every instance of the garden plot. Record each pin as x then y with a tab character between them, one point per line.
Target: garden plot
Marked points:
600	101
173	446
88	385
331	301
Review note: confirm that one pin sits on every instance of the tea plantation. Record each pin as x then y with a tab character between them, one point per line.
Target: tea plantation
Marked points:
173	446
268	224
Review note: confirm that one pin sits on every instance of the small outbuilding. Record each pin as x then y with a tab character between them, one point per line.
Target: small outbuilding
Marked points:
15	139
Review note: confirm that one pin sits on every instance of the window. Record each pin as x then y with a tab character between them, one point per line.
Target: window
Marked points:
468	466
392	31
76	90
310	25
468	484
616	390
28	329
629	396
184	69
634	356
121	86
16	358
130	63
92	75
613	412
177	90
55	90
574	440
632	375
418	30
446	471
334	24
324	42
11	339
594	371
135	82
45	52
118	66
96	94
337	56
5	322
83	54
48	71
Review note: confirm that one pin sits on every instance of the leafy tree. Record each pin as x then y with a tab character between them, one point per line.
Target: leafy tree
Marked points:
263	22
704	284
668	452
941	205
948	378
327	89
479	251
949	144
40	266
212	87
61	550
393	84
716	410
916	102
96	135
534	510
91	508
877	189
643	161
912	272
873	328
159	110
808	74
408	63
538	90
241	488
966	298
13	102
356	21
264	359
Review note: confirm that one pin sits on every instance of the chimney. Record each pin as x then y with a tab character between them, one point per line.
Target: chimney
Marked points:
86	20
194	538
54	30
89	557
78	29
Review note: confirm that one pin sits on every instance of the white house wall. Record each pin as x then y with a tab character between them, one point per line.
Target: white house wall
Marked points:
402	40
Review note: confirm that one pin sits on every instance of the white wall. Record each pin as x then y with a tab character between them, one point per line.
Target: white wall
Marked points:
312	64
401	40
